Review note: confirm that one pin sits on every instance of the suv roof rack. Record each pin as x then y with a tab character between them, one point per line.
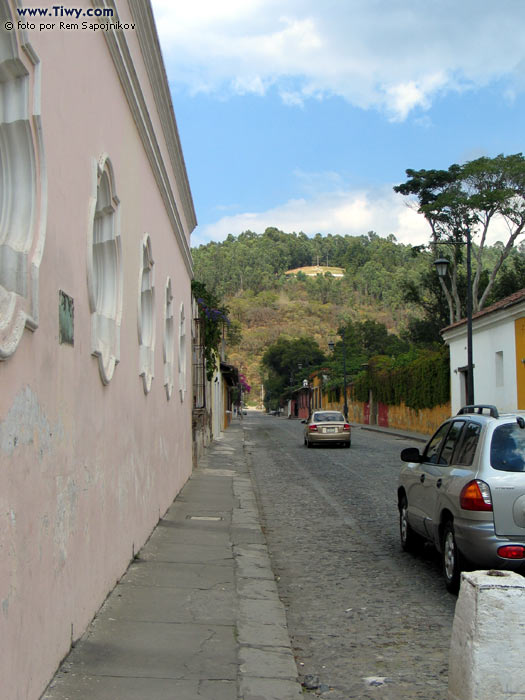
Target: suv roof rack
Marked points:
479	408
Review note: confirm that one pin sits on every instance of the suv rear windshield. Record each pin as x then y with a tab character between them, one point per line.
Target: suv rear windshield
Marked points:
507	449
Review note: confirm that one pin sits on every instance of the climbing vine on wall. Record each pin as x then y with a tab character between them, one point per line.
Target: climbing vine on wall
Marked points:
419	379
213	318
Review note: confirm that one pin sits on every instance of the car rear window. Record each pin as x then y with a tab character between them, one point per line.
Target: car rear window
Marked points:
507	449
328	417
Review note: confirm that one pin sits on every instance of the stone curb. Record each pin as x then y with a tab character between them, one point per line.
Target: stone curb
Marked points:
419	437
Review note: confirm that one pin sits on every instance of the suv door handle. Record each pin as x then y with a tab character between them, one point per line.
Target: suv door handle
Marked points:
422	478
438	483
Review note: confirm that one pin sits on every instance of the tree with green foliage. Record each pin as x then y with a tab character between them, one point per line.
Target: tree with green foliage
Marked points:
426	293
363	340
215	324
475	197
287	362
512	275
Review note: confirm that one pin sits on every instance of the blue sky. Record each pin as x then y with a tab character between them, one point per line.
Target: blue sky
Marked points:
303	115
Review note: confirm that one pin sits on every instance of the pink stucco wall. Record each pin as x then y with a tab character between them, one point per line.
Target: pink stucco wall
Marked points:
86	470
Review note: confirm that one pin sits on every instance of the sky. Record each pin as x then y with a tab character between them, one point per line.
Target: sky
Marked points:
303	115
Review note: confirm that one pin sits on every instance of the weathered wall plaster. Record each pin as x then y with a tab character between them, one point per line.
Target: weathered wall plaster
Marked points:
26	424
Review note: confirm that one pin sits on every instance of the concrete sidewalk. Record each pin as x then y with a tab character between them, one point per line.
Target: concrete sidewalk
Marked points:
197	615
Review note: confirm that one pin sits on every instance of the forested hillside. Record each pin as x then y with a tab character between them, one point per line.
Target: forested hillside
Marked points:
384	281
256	263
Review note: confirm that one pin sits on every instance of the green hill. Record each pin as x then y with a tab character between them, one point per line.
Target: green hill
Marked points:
383	281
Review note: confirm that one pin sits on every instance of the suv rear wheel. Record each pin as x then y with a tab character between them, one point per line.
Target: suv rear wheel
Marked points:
451	558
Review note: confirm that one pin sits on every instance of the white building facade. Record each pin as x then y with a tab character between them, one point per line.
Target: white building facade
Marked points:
95	319
498	349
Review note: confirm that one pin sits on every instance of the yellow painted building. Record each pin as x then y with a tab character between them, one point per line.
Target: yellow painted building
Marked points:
519	333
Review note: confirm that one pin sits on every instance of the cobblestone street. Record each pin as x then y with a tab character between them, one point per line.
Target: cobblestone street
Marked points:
366	620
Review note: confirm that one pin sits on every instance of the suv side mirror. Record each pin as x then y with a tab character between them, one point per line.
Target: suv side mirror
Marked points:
411	454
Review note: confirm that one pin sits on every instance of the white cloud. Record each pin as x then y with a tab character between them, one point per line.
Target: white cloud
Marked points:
340	211
395	56
402	98
292	99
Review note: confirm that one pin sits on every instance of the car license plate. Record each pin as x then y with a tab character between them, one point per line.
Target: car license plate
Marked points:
329	430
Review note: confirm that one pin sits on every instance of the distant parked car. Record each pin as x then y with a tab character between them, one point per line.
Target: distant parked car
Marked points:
327	427
466	493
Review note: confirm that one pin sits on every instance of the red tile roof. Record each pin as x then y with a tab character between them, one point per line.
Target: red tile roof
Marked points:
498	306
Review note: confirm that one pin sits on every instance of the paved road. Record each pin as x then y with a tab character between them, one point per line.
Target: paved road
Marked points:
366	620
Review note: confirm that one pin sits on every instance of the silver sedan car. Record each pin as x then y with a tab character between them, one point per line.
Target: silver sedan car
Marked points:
327	427
465	493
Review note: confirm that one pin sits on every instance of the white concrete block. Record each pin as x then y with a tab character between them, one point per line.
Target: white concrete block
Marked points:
488	638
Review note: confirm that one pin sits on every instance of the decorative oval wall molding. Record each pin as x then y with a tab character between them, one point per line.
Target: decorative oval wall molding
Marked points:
104	273
182	352
23	186
169	339
146	314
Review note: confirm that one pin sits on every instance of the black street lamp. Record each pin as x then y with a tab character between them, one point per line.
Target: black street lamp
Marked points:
442	269
331	347
442	266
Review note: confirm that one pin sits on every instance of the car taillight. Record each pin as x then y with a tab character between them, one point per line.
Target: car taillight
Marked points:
346	428
512	551
312	427
475	496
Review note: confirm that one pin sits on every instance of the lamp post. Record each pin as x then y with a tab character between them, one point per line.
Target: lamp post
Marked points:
442	269
303	365
331	347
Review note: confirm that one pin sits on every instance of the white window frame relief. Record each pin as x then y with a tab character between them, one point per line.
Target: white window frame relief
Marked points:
182	352
169	339
23	185
146	314
499	369
104	273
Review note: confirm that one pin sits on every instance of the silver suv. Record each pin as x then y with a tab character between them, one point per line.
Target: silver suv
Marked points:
466	493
